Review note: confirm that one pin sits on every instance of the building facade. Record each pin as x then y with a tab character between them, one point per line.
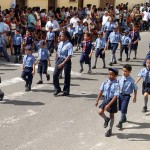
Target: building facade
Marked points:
67	3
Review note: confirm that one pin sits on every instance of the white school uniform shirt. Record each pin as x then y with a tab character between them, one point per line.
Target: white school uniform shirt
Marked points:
74	21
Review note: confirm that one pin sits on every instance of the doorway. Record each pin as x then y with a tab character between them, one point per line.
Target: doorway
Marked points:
21	3
80	3
52	3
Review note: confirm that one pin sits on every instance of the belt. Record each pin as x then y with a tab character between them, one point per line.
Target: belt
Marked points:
28	67
125	94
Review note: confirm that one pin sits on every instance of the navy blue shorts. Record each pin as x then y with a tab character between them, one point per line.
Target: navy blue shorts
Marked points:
114	47
145	88
85	58
113	108
123	103
134	46
99	53
42	66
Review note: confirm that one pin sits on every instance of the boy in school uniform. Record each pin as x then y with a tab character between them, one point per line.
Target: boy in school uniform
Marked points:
127	86
87	50
71	30
135	38
78	34
43	61
145	75
114	39
17	42
125	40
147	56
101	46
50	37
28	68
110	90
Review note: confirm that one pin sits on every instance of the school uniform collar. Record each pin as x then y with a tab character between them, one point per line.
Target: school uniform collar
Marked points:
126	78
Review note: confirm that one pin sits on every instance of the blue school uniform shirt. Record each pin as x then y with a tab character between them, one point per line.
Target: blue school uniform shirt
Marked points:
2	42
89	46
100	43
127	85
147	57
79	30
115	37
17	39
109	26
145	74
28	60
65	49
110	89
50	36
43	54
71	31
125	40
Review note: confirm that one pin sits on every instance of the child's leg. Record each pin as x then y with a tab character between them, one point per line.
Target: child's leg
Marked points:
121	51
111	121
126	51
104	63
40	74
145	102
95	62
81	65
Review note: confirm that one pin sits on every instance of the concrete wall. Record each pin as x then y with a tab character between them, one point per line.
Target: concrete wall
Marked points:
5	4
67	3
93	2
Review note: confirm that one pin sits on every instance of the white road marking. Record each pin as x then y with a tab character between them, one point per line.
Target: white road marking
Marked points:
10	81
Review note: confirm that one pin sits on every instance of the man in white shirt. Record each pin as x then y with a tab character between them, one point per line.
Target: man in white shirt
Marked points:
145	20
52	22
74	20
104	20
87	19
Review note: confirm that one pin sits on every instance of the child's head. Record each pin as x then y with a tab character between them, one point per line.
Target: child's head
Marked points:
113	73
87	36
126	32
100	34
28	33
50	28
42	44
127	70
148	63
17	31
28	50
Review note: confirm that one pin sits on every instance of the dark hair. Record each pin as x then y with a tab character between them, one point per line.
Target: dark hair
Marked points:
128	67
66	34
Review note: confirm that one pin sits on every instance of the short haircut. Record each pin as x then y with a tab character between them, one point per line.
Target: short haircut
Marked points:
88	34
66	34
128	67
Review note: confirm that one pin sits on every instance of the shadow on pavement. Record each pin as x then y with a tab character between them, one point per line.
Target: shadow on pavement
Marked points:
80	78
19	102
8	69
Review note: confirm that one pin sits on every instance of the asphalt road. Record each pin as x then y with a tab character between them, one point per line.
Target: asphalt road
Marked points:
37	120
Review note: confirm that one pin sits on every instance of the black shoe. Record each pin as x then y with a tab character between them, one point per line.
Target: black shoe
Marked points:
127	59
104	66
144	109
48	77
20	57
65	94
28	89
120	59
40	82
57	92
134	58
108	133
81	70
26	85
110	64
8	60
94	67
106	122
115	62
119	125
1	95
89	71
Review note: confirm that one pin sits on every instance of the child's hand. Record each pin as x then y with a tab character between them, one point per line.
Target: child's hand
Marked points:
33	73
89	55
134	100
107	107
61	65
96	103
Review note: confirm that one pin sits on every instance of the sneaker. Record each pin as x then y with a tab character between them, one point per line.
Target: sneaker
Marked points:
144	109
106	122
115	62
81	70
119	125
110	64
120	59
94	67
40	82
48	77
89	71
108	133
28	89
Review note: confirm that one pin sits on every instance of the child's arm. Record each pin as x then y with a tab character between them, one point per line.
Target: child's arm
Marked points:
110	103
49	62
33	72
90	55
36	62
98	97
138	79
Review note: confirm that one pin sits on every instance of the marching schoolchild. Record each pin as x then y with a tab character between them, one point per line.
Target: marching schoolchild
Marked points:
147	56
110	90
